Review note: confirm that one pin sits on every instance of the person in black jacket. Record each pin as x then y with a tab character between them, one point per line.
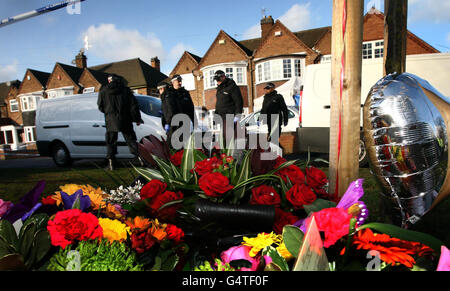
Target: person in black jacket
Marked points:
228	99
170	108
183	98
121	109
274	104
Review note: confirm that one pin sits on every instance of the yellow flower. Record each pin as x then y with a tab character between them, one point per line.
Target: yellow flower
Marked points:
261	241
112	212
113	230
138	222
283	251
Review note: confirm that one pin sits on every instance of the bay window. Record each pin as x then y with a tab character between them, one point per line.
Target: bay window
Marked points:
14	106
234	72
279	69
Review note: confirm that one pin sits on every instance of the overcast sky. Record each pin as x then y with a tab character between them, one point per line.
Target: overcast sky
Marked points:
119	29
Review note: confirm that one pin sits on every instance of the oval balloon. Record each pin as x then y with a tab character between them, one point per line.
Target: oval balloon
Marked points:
406	136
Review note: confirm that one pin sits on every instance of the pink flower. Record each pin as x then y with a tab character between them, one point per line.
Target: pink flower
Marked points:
5	206
240	253
444	261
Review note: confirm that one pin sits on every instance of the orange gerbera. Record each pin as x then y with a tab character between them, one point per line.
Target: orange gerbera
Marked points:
392	250
138	223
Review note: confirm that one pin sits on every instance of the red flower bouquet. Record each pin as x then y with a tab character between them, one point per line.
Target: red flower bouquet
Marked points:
152	189
73	225
265	195
214	184
299	195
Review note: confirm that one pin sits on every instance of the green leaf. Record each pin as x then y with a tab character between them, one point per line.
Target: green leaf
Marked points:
187	162
40	219
8	233
42	244
277	259
293	239
76	204
26	239
170	263
318	205
405	234
243	175
157	265
12	262
149	174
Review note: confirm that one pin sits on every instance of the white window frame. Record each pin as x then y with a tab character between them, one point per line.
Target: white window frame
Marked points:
12	103
89	90
232	71
279	69
60	92
373	49
29	132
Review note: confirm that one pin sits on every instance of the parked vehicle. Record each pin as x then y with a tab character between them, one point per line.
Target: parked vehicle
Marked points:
314	131
72	127
251	124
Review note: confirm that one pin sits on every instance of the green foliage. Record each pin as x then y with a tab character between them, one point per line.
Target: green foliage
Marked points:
96	256
30	247
277	259
318	205
219	266
293	239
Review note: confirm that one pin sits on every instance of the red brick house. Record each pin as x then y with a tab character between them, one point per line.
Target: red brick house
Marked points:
186	67
64	81
10	114
277	56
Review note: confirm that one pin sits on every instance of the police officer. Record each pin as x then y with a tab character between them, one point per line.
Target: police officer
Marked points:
169	106
228	99
274	104
121	109
183	98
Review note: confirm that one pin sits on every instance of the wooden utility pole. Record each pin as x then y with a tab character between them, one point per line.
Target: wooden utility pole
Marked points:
345	100
395	33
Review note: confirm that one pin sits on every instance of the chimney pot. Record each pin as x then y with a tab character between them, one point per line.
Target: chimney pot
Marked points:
266	25
155	62
81	60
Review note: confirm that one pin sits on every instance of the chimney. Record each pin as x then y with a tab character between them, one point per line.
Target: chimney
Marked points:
156	63
81	60
266	25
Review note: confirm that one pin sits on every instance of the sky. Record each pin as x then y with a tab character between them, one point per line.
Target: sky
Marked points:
119	30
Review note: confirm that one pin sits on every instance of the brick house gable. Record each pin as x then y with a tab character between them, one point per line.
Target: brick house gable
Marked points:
36	83
230	51
63	76
270	44
90	78
186	64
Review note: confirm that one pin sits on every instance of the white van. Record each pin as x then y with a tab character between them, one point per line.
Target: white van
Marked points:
72	127
314	131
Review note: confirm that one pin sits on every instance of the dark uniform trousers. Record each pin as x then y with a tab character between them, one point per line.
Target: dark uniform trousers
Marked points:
111	143
272	128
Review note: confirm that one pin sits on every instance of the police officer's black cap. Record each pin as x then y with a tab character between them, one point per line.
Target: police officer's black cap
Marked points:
218	74
269	85
176	77
161	85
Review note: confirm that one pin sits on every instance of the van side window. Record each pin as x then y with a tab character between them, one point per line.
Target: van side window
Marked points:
149	106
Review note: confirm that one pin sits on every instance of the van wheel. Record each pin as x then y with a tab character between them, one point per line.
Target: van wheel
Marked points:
363	159
61	155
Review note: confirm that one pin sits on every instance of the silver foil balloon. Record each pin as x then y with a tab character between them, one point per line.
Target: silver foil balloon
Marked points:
406	139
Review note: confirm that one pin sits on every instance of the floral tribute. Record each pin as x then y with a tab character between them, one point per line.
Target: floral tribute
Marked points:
192	209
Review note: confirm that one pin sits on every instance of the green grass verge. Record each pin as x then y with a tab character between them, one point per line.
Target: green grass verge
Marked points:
14	183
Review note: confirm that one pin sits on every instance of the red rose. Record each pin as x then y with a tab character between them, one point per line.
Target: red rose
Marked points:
299	195
207	165
214	184
164	198
315	178
334	222
294	174
153	188
283	218
73	225
142	241
174	233
279	161
265	195
176	158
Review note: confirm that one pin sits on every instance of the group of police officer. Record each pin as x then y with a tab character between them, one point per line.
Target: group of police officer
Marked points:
120	108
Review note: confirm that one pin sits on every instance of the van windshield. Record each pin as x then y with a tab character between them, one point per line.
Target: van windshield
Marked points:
150	106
